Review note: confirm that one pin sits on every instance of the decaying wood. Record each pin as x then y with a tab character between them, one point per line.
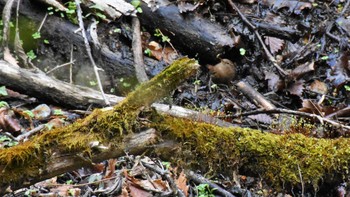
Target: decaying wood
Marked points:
281	159
51	89
276	158
79	97
189	33
42	164
257	98
60	32
137	51
88	50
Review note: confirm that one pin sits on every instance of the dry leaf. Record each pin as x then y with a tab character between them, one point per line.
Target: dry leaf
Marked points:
274	43
264	118
339	74
296	88
185	6
7	121
110	168
167	54
312	108
319	87
301	70
293	6
181	183
138	192
272	80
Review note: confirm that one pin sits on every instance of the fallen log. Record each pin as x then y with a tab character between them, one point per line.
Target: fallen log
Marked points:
191	34
61	35
30	161
278	159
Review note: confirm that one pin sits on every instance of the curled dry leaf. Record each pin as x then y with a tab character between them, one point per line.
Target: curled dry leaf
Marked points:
293	6
167	54
137	192
181	183
272	80
339	74
7	122
312	108
41	112
318	87
185	6
247	1
301	70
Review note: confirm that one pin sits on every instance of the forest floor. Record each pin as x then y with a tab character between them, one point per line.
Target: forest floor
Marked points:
295	55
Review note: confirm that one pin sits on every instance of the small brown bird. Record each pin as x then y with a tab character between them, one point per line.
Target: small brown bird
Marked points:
223	72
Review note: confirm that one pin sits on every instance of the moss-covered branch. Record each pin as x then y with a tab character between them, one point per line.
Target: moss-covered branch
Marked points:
277	158
29	161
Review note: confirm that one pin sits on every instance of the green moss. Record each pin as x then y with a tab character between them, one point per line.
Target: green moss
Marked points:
107	127
162	84
278	159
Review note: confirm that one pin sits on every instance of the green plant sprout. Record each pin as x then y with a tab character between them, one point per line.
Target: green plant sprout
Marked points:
160	34
325	57
3	91
137	5
101	16
205	191
197	82
4	104
148	52
117	30
50	10
71	12
214	86
242	51
31	55
166	164
58	112
36	35
164	38
347	88
29	113
93	83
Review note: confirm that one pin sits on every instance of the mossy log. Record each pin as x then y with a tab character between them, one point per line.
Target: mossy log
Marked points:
279	159
111	130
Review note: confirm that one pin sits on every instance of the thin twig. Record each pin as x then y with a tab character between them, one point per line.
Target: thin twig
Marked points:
301	181
71	65
254	29
60	66
29	133
166	175
345	7
42	22
137	51
6	15
88	50
287	111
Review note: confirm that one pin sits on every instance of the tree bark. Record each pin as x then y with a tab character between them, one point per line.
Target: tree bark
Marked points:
191	34
276	158
32	161
103	134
